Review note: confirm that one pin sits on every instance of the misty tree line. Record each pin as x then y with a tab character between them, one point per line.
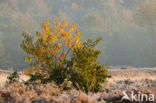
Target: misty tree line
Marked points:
138	48
134	45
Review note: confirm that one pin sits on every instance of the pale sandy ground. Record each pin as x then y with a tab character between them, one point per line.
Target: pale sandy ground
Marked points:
5	73
129	78
3	77
129	73
133	74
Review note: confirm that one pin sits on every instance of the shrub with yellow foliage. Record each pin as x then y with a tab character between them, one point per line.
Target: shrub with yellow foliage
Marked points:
57	55
51	48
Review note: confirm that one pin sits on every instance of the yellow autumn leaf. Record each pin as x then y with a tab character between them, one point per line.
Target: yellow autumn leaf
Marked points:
28	72
65	23
63	55
94	69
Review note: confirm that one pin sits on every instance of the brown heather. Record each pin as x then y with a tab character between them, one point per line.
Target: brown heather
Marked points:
131	79
49	93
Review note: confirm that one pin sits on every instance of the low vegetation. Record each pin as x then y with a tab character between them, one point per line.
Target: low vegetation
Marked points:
143	81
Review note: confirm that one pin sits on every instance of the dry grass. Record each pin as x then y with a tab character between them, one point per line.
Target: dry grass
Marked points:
49	93
132	79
